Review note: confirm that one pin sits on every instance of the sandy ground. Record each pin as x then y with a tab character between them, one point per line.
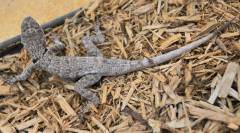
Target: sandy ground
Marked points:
12	12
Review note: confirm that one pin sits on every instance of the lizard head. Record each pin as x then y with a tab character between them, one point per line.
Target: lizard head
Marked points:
32	38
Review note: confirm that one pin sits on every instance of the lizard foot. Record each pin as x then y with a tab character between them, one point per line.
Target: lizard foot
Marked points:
85	108
91	98
11	80
95	100
56	40
82	88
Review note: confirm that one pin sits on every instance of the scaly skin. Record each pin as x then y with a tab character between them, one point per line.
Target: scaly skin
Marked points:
86	70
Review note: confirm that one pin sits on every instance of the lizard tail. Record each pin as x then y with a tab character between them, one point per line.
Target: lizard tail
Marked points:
150	62
157	60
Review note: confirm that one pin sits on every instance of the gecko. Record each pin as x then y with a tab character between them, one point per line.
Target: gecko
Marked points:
87	70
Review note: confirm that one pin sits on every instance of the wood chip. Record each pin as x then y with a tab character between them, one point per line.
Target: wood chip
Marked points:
121	47
8	128
177	123
27	124
65	106
7	90
227	79
223	86
166	43
155	89
155	26
127	98
99	124
229	35
222	46
155	124
212	115
143	9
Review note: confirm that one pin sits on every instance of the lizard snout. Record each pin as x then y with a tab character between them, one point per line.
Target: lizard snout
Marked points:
29	23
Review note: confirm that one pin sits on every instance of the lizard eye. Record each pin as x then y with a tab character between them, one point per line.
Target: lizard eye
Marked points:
34	60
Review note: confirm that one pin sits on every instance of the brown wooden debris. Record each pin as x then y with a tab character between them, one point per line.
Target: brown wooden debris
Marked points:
129	95
121	47
212	115
65	106
99	124
27	124
156	125
229	35
222	46
8	128
144	9
166	43
198	92
224	85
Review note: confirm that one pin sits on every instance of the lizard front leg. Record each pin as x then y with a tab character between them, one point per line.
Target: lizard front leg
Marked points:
90	41
58	45
24	75
82	87
92	50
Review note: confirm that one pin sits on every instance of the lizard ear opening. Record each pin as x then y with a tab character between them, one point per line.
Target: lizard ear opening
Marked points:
33	38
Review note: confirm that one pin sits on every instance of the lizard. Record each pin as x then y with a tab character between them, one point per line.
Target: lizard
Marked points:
87	70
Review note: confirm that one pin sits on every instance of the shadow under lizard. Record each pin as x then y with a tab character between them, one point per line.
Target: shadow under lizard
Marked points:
86	70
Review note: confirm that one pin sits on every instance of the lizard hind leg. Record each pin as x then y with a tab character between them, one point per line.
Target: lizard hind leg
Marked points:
82	85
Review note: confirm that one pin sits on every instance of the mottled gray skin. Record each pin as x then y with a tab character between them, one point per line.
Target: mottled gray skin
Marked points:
85	70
